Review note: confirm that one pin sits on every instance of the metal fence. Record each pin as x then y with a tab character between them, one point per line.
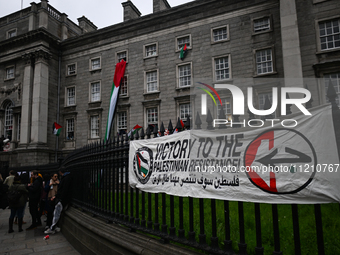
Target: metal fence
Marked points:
101	188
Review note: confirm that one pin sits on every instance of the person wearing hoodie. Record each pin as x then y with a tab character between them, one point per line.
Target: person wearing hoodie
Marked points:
17	207
34	194
62	199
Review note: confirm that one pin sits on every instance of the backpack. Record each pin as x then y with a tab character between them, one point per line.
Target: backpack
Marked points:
13	196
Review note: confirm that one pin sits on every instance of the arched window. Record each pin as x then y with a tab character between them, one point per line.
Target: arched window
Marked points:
8	120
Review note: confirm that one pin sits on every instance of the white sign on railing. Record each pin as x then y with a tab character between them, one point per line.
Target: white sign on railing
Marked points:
268	165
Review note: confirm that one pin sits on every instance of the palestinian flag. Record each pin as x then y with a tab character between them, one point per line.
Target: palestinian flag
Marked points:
117	80
134	130
56	129
142	165
183	52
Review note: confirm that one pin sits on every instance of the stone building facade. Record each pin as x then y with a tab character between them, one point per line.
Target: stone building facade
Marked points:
53	70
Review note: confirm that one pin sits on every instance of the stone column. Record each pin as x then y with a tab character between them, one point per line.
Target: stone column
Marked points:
40	99
26	101
32	17
43	14
64	30
290	44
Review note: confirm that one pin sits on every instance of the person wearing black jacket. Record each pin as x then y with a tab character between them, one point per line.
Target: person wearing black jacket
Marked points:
34	194
62	199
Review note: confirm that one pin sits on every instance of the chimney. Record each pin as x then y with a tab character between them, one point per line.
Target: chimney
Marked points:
160	5
130	11
86	25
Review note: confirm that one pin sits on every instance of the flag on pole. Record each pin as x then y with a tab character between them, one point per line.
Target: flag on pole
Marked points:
117	79
134	130
183	52
56	129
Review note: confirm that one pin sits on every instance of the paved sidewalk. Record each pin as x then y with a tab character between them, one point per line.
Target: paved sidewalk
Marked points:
31	242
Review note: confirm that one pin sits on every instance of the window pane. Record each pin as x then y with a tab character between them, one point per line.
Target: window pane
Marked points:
95	63
70	129
151	81
151	50
71	69
182	41
95	127
329	34
262	24
10	73
222	68
184	73
71	96
220	34
123	87
184	111
152	115
121	55
95	91
264	61
122	122
8	121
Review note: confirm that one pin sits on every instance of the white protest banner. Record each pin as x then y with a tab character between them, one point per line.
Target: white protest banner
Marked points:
269	165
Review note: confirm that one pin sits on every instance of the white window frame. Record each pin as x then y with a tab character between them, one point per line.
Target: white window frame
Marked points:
68	71
178	49
125	82
8	34
179	77
229	67
145	50
6	72
147	123
146	81
8	118
67	96
184	118
120	122
264	30
318	34
91	99
91	65
220	28
70	128
273	71
120	52
95	129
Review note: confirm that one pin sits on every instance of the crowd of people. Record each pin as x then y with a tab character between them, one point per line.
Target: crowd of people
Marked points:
45	195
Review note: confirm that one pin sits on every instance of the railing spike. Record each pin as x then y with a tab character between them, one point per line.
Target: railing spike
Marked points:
142	134
170	128
209	120
178	125
198	121
162	129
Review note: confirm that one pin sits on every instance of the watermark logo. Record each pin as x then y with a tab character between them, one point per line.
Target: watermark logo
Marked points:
143	164
238	103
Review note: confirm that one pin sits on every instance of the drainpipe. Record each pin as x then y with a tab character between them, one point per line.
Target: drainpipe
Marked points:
58	106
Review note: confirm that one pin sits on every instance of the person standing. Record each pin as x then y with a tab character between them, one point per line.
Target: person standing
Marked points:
17	205
10	179
34	194
51	189
62	199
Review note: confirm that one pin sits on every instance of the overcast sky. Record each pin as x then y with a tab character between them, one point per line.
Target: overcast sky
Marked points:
102	13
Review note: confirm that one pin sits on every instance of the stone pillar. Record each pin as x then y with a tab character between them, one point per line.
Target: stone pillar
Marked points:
64	30
291	53
2	117
32	17
160	5
40	99
43	14
130	11
26	101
